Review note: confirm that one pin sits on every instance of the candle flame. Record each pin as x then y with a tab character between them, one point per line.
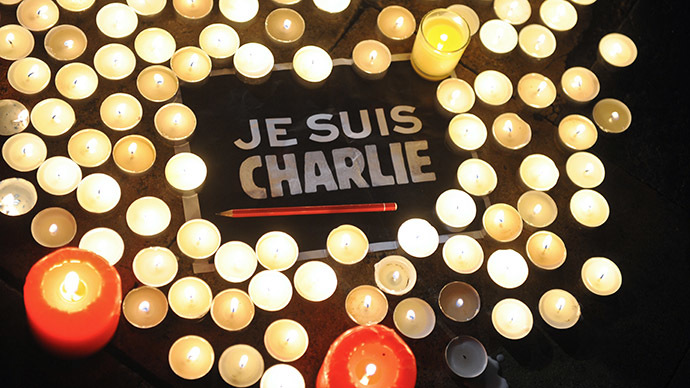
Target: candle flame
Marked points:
500	217
372	56
589	167
157	261
603	273
243	361
459	302
410	315
454	96
56	114
41	10
579	129
540	40
347	240
116	59
190	293
70	286
287	23
120	109
69	43
537	208
32	71
547	241
560	304
508	126
132	148
577	82
290	336
91	145
193	354
614	116
52	229
193	60
395	276
443	38
541	87
234	304
588	204
367	301
617	49
399	22
560	11
370	370
176	118
28	150
144	306
10	39
158	79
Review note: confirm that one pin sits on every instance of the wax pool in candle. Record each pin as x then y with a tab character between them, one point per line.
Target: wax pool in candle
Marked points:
538	172
559	309
238	11
198	238
277	251
577	132
477	177
511	131
134	154
175	122
76	5
53	227
286	340
459	301
24	152
14	117
580	84
371	59
507	268
72	299
463	254
513	11
467	131
270	290
601	276
332	6
190	297
65	42
282	376
16	42
28	75
312	64
366	305
546	250
537	41
53	117
396	22
618	49
589	208
37	15
191	357
114	61
502	222
145	307
147	7
105	242
76	81
191	64
512	318
241	365
414	318
193	9
395	275
498	36
315	281
418	238
585	170
253	61
155	266
455	208
58	175
148	216
154	45
157	83
466	356
347	244
89	148
185	171
612	115
284	25
98	193
121	111
558	15
493	87
455	95
232	309
219	41
116	20
235	261
537	208
536	90
17	196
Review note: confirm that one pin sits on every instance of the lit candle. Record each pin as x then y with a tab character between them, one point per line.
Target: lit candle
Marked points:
175	122
193	9
584	2
219	41
371	59
467	131
191	357
157	83
286	2
17	196
546	250
442	38
536	90
72	299
53	117
512	318
284	25
366	305
76	5
463	254
477	177
235	261
601	276
493	87
418	238
286	340
455	208
537	209
53	227
270	290
459	301
559	309
28	75
537	41
414	318
154	45
37	15
253	62
513	11
134	154
105	242
538	172
577	132
511	131
618	50
148	216
14	117
498	36
147	7
282	376
65	42
580	84
190	298
155	266
191	64
589	208
198	238
238	11
558	15
277	251
507	268
145	307
395	275
58	175
347	244
315	281
332	6
455	95
612	115
16	42
396	22
116	20
232	309
98	193
466	356
312	64
89	148
24	152
502	222
76	81
185	171
114	61
468	14
241	365
121	111
585	170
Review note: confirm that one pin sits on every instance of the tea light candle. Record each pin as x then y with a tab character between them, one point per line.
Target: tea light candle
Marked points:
512	318
72	299
241	365
282	376
58	175
185	171
455	208
537	209
332	6
53	117
466	356
37	15
347	244
14	117
114	61
191	357
53	227
366	305
175	122
155	266
536	90
546	250
106	242
584	2
315	281
513	11
76	81
191	64
559	309
558	15
612	115
455	95
65	42
154	45
98	193
219	41
463	254
239	11
371	59
270	290
601	276
134	154
147	7
157	83
580	84
253	61
277	251
235	261
459	301
89	148
121	111
232	309
284	25
145	307
511	131
24	152
286	340
396	22
193	9
148	216
585	170
577	132
17	196
477	177
75	5
538	172
414	318
190	297
467	131
116	20
498	36
502	222
28	75
395	275
312	64
418	238
439	44
507	268
537	41
589	208
198	238
617	49
286	2
16	42
493	87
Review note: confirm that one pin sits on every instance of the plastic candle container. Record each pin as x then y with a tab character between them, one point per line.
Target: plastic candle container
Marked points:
114	61
17	196
232	309
14	117
463	254
347	244
53	227
191	357
24	152
89	148
235	261
190	297
511	131
155	266
395	275
105	242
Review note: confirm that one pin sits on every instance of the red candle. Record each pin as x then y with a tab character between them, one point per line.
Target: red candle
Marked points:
368	357
72	299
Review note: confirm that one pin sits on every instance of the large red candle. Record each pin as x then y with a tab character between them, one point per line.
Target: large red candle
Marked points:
368	357
72	299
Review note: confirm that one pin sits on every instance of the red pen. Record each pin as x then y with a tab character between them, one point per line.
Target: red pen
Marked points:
307	210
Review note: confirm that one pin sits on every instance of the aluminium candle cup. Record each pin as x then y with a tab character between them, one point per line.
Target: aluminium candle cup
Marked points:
270	290
512	318
192	10
53	117
332	6
98	193
477	177
580	84
498	36
414	318
347	244
37	15
232	309
601	276
17	196
538	172
198	239
418	238
14	117
190	298
454	96
157	83
147	8
312	65
511	132
537	41
466	132
105	242
456	209
148	216
286	340
253	62
463	254
611	115
589	208
617	50
114	61
175	122
76	5
185	172
241	365
459	301
76	81
282	376
366	305
116	20
468	14
235	261
28	75
395	275
284	26
24	152
537	209
220	42
513	11
371	59
65	42
502	222
315	281
585	170
546	250
16	42
191	64
155	266
536	90
53	227
558	15
395	23
466	356
493	88
154	45
89	148
121	111
58	175
239	11
145	307
576	133
134	154
277	251
191	357
559	309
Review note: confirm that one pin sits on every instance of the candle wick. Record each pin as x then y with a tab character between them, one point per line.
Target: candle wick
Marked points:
399	22
367	301
243	361
614	116
411	315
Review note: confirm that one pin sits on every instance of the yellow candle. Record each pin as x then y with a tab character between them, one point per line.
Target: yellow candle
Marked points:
332	6
17	196
493	87
175	122
585	170
396	22
286	340
459	301
498	36
468	14
193	9
147	7
601	276
155	266
121	111
116	20
463	254
507	268
134	154
253	61
65	42
37	15
312	64
538	172
502	222
148	216
589	208
145	307
315	281
559	309
58	175
477	177
16	42
546	250
89	148
455	95
114	61
239	11
241	365
277	251
467	131
282	376
537	41
513	11
558	15
198	238
284	25
511	131
395	275
235	261
105	242
53	227
371	59
24	152
185	171
577	132
580	84
157	83
618	49
76	5
347	244
442	38
418	238
612	115
232	309
53	117
270	290
191	357
98	193
76	81
366	305
512	318
219	41
154	45
190	298
414	318
191	64
28	75
455	208
537	208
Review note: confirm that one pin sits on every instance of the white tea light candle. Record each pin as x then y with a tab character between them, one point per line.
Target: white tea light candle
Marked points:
371	59
76	81
241	365
175	122
190	297
546	250
235	261
537	41
16	42
502	222
513	11
312	64
559	309
114	61
511	131
277	251
286	340
493	87
28	75
24	152
459	301
116	20
193	9
455	208
232	309
105	242
537	208
191	64
37	15
347	244
536	90
191	357
580	84
498	36
121	111
589	208
270	290
577	132
219	41
414	318
463	254
145	307
98	193
58	175
185	171
157	83
253	61
134	154
89	148
315	281
601	276
396	22
366	305
467	131
418	238
154	45
538	172
618	49
17	196
148	216
238	11
198	238
585	170
53	117
512	318
612	115
155	266
507	268
477	177
455	95
558	15
284	25
332	6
